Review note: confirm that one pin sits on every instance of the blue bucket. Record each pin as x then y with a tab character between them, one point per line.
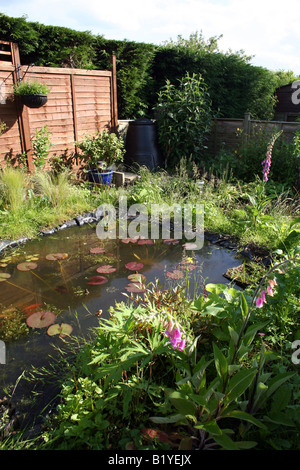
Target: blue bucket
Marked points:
100	177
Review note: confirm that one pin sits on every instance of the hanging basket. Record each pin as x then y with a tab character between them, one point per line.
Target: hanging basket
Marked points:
34	101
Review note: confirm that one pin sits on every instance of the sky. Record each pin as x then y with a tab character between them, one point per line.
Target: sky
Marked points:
268	30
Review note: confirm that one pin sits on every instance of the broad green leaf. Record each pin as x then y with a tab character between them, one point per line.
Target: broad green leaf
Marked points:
233	334
220	362
239	383
279	418
211	427
182	403
244	306
242	415
226	442
166	420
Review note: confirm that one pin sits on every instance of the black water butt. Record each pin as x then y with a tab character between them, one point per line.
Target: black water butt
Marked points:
141	145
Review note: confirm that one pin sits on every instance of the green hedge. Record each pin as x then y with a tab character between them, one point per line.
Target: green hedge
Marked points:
235	86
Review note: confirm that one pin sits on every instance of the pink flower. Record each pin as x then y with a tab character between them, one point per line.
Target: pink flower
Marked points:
174	335
259	302
270	291
272	282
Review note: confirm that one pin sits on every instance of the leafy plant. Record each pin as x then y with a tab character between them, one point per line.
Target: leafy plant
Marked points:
105	146
31	88
13	188
183	118
41	145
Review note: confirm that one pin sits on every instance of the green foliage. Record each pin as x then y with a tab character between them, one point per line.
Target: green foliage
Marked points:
134	77
13	189
41	145
183	119
234	85
31	88
3	127
105	146
224	391
245	162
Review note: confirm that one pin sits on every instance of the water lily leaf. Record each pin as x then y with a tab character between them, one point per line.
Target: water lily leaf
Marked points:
64	329
97	250
134	266
26	266
129	240
135	287
40	319
97	280
4	276
137	277
176	274
171	241
55	256
106	269
145	242
190	246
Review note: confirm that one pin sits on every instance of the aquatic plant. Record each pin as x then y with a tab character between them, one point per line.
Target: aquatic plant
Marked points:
62	330
40	319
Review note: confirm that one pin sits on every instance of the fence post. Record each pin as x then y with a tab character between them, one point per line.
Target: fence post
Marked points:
114	105
246	127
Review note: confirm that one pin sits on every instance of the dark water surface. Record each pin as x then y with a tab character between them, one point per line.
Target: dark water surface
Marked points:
62	286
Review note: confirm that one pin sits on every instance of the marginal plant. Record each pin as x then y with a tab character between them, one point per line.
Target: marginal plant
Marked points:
57	189
13	188
41	145
267	162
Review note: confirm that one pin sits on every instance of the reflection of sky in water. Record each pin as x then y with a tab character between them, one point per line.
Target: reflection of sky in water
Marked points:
62	285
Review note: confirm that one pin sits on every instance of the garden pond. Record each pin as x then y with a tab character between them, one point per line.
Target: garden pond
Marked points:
58	286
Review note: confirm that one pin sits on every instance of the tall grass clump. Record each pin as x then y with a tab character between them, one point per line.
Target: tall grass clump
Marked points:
56	189
13	189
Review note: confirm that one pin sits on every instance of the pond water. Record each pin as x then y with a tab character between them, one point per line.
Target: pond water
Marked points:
73	275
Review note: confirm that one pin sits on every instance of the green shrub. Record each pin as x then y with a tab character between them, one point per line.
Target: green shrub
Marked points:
183	119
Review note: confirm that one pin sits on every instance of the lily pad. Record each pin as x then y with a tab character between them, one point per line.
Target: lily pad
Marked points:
108	268
134	266
176	274
4	276
97	250
26	266
190	246
56	256
145	242
97	280
129	240
64	329
171	241
40	319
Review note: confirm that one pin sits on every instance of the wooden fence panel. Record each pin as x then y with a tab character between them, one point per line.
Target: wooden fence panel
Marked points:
226	133
81	102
